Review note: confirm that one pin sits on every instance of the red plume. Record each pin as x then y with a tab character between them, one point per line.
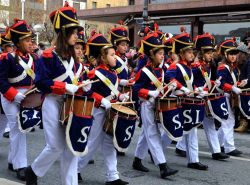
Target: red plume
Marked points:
66	4
156	27
16	20
93	32
233	38
146	30
183	29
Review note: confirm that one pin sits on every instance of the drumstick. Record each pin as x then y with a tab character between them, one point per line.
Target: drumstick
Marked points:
89	82
247	89
165	94
118	103
30	91
214	86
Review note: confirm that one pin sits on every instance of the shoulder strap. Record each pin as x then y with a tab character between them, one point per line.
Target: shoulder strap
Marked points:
108	83
123	65
232	75
206	77
153	78
188	81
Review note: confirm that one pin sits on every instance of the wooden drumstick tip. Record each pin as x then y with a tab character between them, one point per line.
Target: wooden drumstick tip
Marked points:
88	82
119	103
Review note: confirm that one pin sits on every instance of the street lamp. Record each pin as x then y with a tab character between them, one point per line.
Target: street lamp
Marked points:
38	28
22	1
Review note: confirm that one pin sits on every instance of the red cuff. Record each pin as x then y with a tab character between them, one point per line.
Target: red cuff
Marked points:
58	88
143	93
98	98
227	87
10	94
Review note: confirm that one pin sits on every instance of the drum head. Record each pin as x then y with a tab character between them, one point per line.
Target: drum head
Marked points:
125	110
32	100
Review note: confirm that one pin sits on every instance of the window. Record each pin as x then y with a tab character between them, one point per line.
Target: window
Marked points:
108	5
5	2
82	5
94	5
131	2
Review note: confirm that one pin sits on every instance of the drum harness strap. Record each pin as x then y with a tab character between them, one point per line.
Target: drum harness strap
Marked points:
163	63
232	75
69	72
109	84
27	70
157	83
124	65
186	78
206	77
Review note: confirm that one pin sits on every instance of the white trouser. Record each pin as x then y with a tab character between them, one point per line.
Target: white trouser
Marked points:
226	131
55	144
99	138
151	132
17	152
189	143
212	135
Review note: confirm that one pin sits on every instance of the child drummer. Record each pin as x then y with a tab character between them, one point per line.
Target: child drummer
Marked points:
105	91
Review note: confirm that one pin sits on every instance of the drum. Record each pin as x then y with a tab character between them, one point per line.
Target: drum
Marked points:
244	102
30	112
122	112
165	104
82	105
33	99
212	97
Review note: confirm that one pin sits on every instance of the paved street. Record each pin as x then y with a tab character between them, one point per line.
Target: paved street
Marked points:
235	171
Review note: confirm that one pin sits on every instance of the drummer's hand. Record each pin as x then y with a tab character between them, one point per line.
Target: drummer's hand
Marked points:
202	94
19	97
236	90
124	82
71	88
106	103
198	90
124	97
87	88
243	83
185	90
173	86
154	94
217	82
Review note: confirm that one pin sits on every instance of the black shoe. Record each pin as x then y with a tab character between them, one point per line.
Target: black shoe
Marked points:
30	176
6	134
79	177
235	153
137	165
10	167
91	161
173	142
151	157
20	173
120	153
33	130
197	166
117	182
180	152
166	171
222	149
220	156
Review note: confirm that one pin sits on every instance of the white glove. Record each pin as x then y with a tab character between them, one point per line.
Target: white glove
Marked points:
124	97
217	82
243	83
19	97
87	88
202	94
198	89
236	90
71	88
173	86
185	90
123	82
106	103
154	94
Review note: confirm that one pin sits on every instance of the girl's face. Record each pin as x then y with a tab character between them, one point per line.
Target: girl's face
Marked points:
78	50
73	38
26	45
188	55
232	57
159	56
122	47
110	57
208	56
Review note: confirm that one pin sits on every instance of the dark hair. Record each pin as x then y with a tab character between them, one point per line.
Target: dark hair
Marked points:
63	49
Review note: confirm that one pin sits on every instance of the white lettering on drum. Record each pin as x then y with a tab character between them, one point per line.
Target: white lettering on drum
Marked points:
84	134
128	133
224	109
177	122
186	115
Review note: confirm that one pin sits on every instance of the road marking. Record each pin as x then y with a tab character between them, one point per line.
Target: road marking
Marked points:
208	153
